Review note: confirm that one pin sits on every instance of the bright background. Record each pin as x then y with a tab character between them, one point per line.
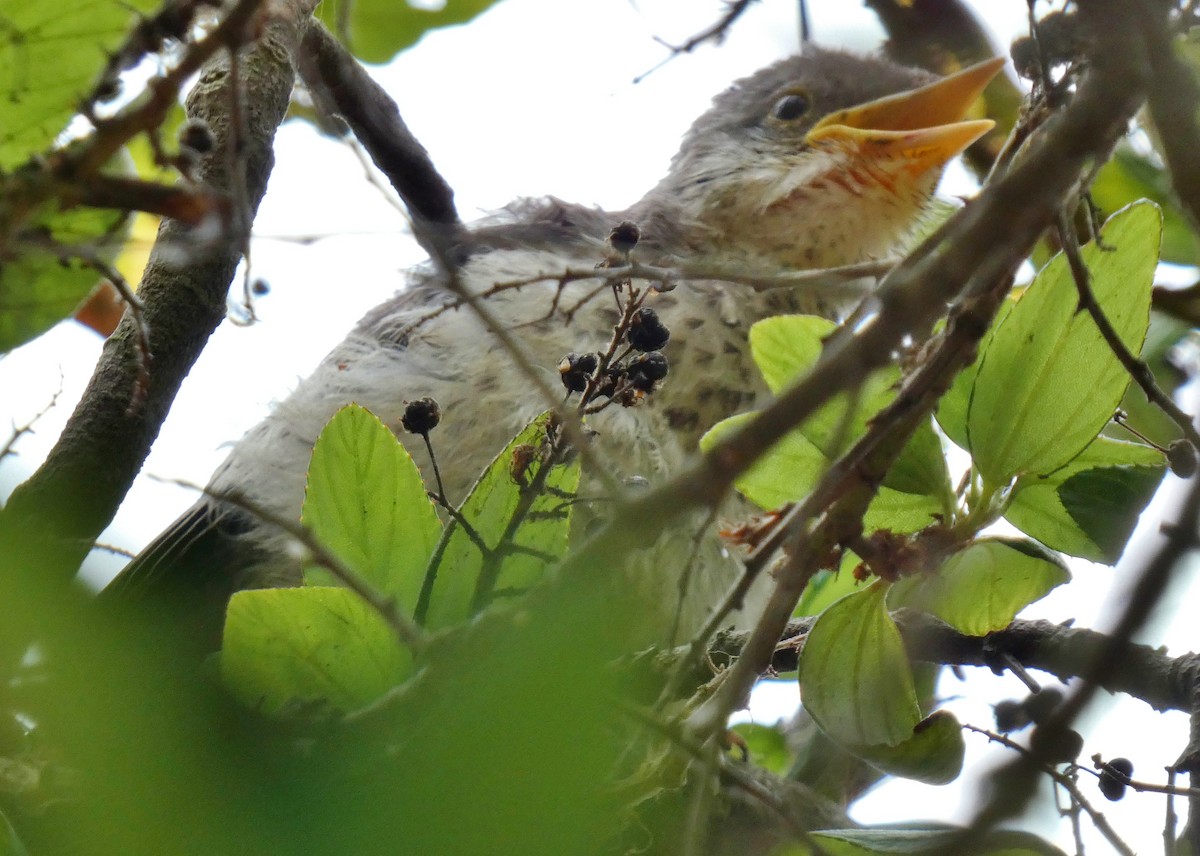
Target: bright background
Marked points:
535	97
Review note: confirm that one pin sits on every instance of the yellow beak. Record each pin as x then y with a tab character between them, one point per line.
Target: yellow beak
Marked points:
923	126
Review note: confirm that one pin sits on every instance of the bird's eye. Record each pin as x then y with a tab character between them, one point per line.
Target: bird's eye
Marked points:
790	107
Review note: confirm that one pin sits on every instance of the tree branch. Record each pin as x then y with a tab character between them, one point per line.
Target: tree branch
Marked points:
61	509
341	86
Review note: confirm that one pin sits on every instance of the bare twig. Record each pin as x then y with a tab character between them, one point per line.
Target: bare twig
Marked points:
19	431
826	281
1067	784
406	630
714	32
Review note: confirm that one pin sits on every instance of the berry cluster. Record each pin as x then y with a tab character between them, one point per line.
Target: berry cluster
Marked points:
636	371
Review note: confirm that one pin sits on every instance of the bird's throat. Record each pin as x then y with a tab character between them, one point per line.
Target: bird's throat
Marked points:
835	218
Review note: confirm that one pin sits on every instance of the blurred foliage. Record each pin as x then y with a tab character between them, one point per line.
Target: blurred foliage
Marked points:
317	731
377	30
48	277
49	62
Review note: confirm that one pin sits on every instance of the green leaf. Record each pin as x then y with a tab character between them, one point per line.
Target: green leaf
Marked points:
51	55
766	746
493	508
933	754
786	473
365	500
855	680
10	842
952	409
786	347
1090	507
791	468
983	587
828	587
1129	176
288	647
1048	382
912	840
41	284
376	30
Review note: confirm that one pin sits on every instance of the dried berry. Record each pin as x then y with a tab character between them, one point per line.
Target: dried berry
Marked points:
1181	455
1042	703
260	287
421	416
576	369
1010	716
645	370
1056	745
1114	777
196	136
611	380
624	236
646	332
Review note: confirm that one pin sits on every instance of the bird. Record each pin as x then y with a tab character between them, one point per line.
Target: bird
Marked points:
820	160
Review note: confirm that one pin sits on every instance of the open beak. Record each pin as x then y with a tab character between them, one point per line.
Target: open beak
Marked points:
925	127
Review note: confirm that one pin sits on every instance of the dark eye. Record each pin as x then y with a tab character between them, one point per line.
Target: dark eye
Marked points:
790	107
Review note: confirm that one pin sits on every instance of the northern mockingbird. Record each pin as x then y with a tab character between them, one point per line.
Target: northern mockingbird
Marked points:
817	161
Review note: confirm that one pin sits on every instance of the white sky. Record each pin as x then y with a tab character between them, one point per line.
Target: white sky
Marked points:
536	97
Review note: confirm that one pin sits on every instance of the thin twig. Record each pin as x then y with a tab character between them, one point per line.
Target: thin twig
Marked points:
729	771
820	281
1136	368
406	630
18	431
1065	782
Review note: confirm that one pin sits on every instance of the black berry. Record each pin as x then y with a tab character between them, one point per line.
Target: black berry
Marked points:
421	416
1010	716
624	236
645	370
1042	703
646	332
1114	777
1181	455
1057	745
575	370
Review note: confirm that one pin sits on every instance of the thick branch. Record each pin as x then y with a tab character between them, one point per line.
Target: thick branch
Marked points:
73	496
341	86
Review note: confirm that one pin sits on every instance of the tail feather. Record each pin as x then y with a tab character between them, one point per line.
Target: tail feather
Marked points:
188	573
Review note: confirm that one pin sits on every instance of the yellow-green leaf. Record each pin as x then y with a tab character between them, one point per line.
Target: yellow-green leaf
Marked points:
933	754
983	587
1090	507
456	583
366	501
855	680
1048	382
376	30
292	647
791	468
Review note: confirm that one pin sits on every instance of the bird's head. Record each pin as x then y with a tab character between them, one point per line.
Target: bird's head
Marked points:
819	160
